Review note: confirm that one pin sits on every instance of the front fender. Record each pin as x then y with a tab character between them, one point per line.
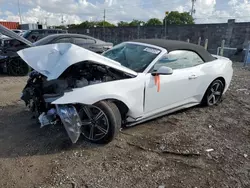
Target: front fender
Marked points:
128	91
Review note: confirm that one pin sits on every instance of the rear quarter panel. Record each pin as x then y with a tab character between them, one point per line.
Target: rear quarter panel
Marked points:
221	67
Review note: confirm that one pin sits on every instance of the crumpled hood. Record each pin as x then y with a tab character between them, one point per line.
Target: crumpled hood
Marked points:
53	59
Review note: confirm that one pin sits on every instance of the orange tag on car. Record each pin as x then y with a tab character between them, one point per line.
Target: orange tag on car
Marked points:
157	82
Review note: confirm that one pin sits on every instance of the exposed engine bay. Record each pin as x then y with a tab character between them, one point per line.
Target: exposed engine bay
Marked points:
81	75
39	93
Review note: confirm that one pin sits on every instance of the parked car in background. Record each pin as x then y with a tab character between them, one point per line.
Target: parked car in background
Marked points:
11	63
19	31
30	35
84	41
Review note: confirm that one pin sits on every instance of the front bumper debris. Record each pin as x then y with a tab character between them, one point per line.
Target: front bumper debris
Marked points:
70	120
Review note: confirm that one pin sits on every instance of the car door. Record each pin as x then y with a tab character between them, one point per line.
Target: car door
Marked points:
176	89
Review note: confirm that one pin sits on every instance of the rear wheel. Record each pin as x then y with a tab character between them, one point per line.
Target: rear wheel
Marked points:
17	67
101	122
214	93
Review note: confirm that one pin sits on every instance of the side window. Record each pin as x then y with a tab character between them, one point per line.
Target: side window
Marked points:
36	35
90	41
179	59
63	40
61	31
83	41
52	31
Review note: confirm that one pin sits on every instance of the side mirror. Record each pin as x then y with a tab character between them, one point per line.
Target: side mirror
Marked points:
163	70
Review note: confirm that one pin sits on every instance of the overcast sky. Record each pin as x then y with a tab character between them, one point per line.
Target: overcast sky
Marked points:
76	11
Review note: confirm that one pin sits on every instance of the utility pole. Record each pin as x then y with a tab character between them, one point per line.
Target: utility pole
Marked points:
104	17
165	24
46	21
63	21
19	11
193	10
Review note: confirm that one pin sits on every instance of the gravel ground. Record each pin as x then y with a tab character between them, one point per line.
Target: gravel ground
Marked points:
198	147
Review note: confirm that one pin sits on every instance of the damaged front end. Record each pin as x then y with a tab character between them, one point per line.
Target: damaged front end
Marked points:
60	70
68	117
71	121
38	95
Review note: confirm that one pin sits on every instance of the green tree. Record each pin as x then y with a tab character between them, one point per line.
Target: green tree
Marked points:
86	24
60	27
122	24
136	23
177	18
73	25
153	21
106	24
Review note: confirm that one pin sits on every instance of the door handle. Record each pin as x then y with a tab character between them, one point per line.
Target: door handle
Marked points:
193	76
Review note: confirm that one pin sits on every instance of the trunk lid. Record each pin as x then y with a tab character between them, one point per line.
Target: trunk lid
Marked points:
53	59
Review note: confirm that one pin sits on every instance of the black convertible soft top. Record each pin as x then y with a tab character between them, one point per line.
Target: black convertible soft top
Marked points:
171	45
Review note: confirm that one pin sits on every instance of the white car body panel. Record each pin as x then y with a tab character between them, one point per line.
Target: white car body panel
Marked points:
171	90
177	91
129	91
183	89
53	59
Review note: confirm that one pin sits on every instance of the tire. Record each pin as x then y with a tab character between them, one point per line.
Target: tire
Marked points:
113	117
213	97
17	67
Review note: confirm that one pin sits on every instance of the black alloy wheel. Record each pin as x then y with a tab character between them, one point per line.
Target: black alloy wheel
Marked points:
101	122
17	67
214	93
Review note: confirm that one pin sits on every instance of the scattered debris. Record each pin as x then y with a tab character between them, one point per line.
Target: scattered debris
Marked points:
161	186
185	154
139	147
122	132
73	184
241	90
162	147
209	150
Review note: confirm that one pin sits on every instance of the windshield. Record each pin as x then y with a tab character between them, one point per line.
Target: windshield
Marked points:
44	40
134	56
26	34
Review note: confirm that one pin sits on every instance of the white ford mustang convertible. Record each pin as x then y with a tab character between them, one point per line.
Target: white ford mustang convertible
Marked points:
94	95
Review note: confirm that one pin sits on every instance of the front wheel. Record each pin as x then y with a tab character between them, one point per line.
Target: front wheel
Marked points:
213	94
101	122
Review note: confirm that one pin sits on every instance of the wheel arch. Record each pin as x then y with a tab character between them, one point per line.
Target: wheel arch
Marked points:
221	78
121	105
